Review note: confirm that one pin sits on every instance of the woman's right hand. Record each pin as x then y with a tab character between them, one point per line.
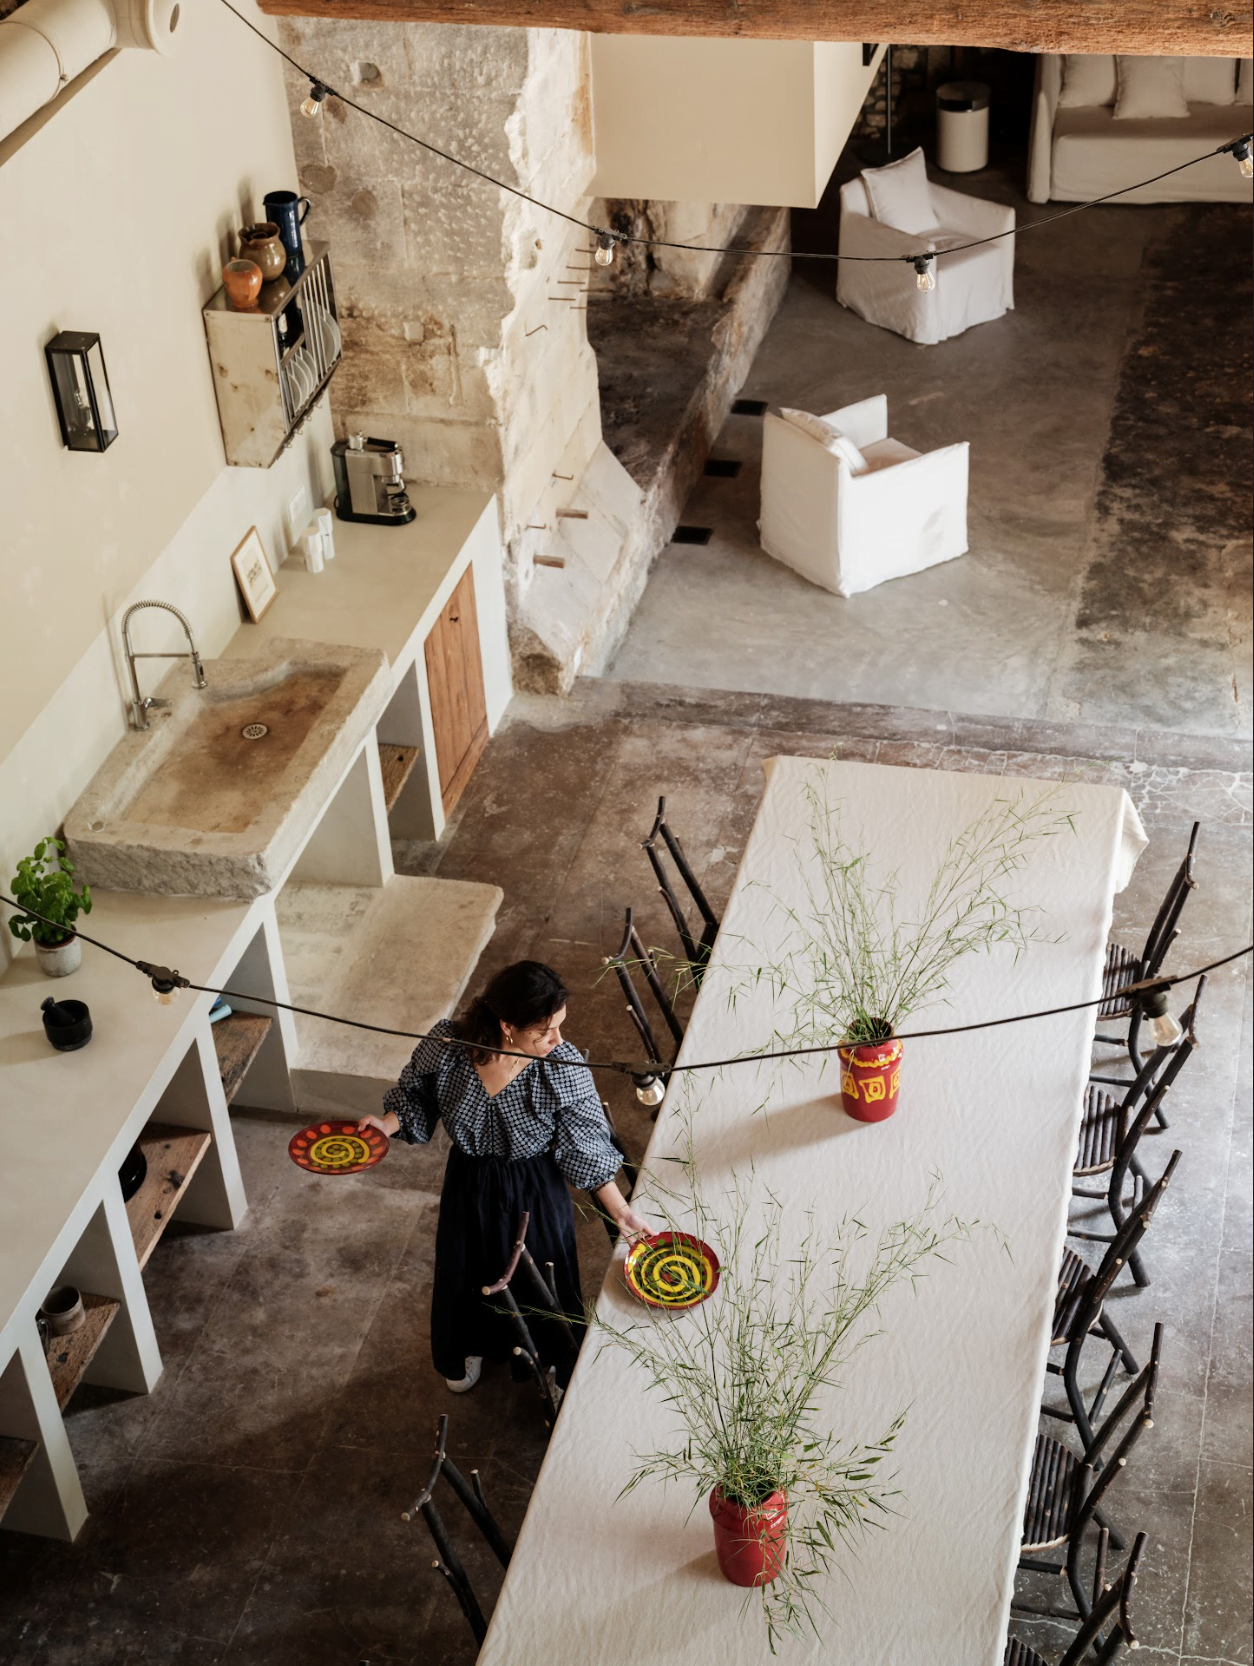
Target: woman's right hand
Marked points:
389	1123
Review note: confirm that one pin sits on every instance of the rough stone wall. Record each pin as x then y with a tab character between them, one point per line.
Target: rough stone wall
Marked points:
916	70
677	273
454	343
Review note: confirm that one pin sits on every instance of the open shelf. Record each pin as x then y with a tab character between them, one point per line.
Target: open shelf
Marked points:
173	1157
69	1356
236	1041
397	763
15	1455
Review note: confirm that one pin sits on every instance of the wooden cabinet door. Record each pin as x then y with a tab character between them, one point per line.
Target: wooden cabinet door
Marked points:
455	681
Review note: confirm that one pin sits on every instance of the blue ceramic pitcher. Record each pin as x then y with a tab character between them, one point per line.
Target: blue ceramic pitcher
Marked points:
289	212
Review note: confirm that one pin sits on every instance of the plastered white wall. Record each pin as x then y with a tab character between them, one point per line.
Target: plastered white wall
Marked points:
740	121
117	214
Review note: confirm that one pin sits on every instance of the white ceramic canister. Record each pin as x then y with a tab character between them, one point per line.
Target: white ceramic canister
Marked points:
311	547
326	521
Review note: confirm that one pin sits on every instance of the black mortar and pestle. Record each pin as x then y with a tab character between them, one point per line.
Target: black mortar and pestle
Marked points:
67	1024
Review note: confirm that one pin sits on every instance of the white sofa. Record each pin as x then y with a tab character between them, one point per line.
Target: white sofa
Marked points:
847	528
1079	151
973	287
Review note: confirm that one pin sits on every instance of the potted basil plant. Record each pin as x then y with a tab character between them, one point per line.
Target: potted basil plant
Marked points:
44	884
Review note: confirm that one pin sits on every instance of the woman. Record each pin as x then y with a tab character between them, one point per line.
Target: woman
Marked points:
524	1123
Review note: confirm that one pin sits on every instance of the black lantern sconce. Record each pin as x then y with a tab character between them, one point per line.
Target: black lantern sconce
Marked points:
81	385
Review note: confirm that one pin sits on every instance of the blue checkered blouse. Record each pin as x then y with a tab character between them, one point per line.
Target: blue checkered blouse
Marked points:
551	1105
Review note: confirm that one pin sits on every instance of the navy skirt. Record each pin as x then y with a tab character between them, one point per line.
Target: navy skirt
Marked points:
481	1205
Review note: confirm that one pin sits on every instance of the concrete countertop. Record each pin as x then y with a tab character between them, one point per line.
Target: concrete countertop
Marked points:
68	1119
385	587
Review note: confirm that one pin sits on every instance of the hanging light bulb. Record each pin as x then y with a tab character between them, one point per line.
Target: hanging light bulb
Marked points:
606	245
1163	1025
1245	161
317	92
165	983
923	274
650	1089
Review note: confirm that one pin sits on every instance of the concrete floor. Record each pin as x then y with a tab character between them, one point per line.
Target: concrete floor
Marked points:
248	1510
1108	578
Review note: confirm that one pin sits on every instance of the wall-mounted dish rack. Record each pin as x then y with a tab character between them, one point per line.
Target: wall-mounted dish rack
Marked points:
271	364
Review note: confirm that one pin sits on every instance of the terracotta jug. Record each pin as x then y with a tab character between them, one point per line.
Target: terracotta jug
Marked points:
263	245
242	281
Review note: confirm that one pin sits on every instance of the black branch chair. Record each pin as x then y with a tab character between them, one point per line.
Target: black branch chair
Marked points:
470	1495
1080	1312
1065	1492
1111	1130
696	944
1109	1607
632	956
1123	967
543	1304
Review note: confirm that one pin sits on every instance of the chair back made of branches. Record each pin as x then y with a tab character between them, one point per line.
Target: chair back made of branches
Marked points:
1088	1315
1109	1601
1151	1087
470	1495
542	1288
696	946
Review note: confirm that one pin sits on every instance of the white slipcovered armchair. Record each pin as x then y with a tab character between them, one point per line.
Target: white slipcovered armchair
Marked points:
847	507
972	287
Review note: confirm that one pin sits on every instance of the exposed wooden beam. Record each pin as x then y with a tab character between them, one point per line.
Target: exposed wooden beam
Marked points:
1148	27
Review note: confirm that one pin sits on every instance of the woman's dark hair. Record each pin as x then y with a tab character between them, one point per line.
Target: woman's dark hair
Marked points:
524	994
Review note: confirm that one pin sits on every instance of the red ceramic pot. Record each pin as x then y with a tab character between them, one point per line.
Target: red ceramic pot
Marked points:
750	1542
870	1077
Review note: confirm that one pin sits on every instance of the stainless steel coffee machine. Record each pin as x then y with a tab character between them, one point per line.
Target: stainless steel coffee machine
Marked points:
369	485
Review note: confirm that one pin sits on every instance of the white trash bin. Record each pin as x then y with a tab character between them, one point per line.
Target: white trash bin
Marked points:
962	126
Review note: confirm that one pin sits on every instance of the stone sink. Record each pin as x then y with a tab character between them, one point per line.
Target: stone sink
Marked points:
218	794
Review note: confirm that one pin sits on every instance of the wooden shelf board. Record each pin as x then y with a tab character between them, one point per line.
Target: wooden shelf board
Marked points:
69	1356
173	1157
397	763
236	1041
15	1455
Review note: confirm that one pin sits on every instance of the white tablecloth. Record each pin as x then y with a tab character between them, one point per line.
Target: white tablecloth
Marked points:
994	1114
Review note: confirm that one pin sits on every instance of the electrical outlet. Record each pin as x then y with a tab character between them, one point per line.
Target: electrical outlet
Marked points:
297	514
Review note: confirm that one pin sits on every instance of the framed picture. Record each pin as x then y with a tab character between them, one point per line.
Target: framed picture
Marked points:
253	575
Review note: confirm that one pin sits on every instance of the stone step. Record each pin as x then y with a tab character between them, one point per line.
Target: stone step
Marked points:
398	955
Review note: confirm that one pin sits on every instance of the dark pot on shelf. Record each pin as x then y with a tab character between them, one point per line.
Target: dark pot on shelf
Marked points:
133	1173
67	1024
63	1309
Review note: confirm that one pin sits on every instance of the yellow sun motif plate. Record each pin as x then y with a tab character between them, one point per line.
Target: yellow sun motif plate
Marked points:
336	1147
671	1269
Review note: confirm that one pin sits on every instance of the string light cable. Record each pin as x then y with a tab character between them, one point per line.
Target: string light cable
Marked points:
167	982
606	240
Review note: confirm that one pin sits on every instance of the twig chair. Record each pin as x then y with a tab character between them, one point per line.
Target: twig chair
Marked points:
696	946
1065	1492
471	1497
1110	1601
1079	1312
633	956
544	1289
1112	1128
1124	967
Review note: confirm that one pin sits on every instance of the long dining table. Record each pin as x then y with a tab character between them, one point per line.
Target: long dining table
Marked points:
989	1118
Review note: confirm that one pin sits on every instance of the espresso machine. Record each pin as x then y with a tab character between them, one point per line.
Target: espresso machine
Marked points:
369	485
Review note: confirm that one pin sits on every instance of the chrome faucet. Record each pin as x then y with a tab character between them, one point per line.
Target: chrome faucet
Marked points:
140	707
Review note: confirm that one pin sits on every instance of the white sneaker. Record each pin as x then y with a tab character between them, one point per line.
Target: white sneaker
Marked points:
474	1365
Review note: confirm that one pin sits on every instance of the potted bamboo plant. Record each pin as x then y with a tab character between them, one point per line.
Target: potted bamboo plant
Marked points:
44	884
749	1371
853	969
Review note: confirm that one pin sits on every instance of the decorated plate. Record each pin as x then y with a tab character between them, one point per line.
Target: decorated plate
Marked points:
334	1147
671	1269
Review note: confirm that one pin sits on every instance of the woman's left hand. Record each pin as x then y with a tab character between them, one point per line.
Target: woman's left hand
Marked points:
632	1225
